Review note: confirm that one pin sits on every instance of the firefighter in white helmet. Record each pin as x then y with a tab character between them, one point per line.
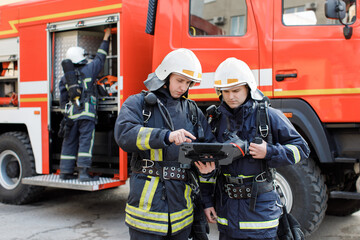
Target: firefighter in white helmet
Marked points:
78	103
247	206
151	125
76	55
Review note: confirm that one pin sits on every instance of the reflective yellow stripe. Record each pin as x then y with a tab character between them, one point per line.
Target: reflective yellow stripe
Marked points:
102	52
232	80
67	157
92	142
187	194
147	215
81	154
86	80
240	175
84	113
142	141
259	225
317	92
188	72
149	226
156	154
88	154
212	180
176	216
222	221
148	192
185	217
295	151
175	227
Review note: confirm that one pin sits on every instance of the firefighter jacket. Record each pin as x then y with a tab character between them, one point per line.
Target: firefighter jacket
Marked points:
235	218
155	204
89	73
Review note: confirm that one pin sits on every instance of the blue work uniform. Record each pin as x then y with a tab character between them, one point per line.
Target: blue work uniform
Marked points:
157	205
236	220
79	142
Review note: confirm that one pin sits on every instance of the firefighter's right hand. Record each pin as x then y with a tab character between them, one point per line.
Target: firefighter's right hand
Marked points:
210	214
180	136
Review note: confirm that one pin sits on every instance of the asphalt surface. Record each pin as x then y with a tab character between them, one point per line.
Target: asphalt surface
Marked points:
78	215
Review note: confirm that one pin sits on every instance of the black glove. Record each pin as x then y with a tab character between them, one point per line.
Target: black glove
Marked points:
65	126
61	132
200	226
74	92
289	228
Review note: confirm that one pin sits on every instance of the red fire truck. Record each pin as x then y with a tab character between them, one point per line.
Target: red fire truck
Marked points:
303	55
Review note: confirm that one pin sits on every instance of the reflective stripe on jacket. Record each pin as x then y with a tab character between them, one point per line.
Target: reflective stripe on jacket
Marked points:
154	204
89	73
235	217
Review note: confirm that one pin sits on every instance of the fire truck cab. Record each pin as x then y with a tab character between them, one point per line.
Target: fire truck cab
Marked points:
303	55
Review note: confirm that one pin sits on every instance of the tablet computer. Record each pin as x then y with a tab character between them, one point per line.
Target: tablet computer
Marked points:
222	153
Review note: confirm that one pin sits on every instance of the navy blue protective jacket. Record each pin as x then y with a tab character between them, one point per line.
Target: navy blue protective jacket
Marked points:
153	205
89	73
234	215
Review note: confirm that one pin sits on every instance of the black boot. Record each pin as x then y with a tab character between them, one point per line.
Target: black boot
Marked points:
85	177
67	176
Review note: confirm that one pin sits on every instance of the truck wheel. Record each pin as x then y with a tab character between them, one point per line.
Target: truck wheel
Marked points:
304	193
16	162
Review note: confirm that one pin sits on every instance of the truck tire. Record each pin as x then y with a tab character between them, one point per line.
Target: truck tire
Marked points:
16	162
305	192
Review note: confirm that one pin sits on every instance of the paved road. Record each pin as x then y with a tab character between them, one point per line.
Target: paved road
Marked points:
77	215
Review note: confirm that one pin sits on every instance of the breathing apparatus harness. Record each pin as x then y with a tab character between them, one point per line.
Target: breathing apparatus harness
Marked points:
173	170
165	169
235	187
71	79
77	92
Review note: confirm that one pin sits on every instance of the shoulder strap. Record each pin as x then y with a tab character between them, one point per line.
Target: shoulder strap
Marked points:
147	108
263	122
213	116
192	111
193	114
264	131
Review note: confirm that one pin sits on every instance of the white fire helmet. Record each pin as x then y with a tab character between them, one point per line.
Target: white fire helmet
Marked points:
182	61
233	73
75	54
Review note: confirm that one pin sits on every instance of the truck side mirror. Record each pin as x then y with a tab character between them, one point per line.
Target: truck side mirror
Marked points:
335	9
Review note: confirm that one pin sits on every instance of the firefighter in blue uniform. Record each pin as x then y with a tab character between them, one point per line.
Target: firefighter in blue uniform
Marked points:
80	110
152	125
246	204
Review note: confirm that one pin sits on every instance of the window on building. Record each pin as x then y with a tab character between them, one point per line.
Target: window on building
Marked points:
237	26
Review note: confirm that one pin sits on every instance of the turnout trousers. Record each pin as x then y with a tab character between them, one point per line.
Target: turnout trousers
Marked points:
223	236
137	235
78	145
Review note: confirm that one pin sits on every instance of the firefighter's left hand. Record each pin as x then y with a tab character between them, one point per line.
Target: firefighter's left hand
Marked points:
107	33
206	168
258	151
